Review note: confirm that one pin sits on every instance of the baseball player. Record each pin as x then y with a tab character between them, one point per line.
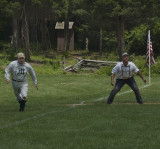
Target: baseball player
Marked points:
125	70
19	69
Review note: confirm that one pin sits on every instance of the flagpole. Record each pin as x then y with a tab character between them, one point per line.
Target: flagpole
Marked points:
149	58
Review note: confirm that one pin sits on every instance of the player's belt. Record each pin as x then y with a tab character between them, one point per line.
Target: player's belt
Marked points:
17	80
125	78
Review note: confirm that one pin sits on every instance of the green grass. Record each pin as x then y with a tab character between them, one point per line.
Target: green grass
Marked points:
52	120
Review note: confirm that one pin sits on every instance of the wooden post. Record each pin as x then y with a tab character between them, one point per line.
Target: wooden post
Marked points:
86	44
100	42
63	63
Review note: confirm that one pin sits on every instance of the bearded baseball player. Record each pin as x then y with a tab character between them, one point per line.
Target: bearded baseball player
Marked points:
19	69
125	70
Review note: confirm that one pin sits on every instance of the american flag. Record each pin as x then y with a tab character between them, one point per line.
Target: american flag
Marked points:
149	51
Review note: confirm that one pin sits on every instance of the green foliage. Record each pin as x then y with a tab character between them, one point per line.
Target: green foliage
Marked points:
136	40
45	65
125	8
112	57
66	54
140	62
105	70
155	36
8	50
109	42
10	8
88	17
50	66
36	2
155	69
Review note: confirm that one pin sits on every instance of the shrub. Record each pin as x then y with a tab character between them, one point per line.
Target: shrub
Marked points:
105	71
136	39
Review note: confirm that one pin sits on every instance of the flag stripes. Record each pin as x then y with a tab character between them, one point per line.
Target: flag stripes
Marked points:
149	54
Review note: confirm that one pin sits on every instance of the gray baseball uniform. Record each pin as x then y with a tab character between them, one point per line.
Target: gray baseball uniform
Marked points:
20	78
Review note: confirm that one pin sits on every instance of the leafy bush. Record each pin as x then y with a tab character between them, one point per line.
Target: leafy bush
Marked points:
105	71
136	39
155	36
112	57
44	65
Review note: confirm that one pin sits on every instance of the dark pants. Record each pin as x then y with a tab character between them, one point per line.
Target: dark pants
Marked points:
119	84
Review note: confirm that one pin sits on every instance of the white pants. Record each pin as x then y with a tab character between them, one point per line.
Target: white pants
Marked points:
20	90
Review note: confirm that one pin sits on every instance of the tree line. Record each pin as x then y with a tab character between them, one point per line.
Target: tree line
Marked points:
110	25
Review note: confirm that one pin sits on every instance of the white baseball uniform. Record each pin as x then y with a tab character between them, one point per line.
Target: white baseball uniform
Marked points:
19	78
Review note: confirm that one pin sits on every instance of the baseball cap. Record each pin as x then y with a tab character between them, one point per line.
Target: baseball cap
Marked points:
125	54
20	55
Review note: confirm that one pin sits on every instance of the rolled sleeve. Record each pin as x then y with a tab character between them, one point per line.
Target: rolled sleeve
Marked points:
115	69
135	68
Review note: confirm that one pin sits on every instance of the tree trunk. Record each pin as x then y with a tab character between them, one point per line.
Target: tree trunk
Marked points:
27	43
33	31
25	32
120	36
15	33
100	41
66	35
44	34
66	28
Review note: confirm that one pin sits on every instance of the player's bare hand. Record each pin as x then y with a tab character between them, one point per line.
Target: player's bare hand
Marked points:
144	80
112	83
7	81
36	86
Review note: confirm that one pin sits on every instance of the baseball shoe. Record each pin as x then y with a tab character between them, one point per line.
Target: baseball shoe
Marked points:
21	110
108	102
22	105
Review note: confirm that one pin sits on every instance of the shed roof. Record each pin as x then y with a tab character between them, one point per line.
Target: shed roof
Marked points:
60	25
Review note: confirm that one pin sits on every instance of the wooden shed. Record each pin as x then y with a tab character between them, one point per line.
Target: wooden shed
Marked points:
60	36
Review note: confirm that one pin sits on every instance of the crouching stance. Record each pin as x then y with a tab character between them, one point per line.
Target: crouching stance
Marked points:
19	69
125	70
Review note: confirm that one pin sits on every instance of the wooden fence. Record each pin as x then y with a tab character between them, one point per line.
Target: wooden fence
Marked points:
89	65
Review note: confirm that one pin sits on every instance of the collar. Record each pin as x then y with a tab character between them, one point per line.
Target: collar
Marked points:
20	64
125	65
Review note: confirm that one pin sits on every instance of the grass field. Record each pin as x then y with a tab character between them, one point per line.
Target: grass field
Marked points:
69	112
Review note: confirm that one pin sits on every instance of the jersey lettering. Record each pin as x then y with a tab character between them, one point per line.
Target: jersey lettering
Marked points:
21	71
